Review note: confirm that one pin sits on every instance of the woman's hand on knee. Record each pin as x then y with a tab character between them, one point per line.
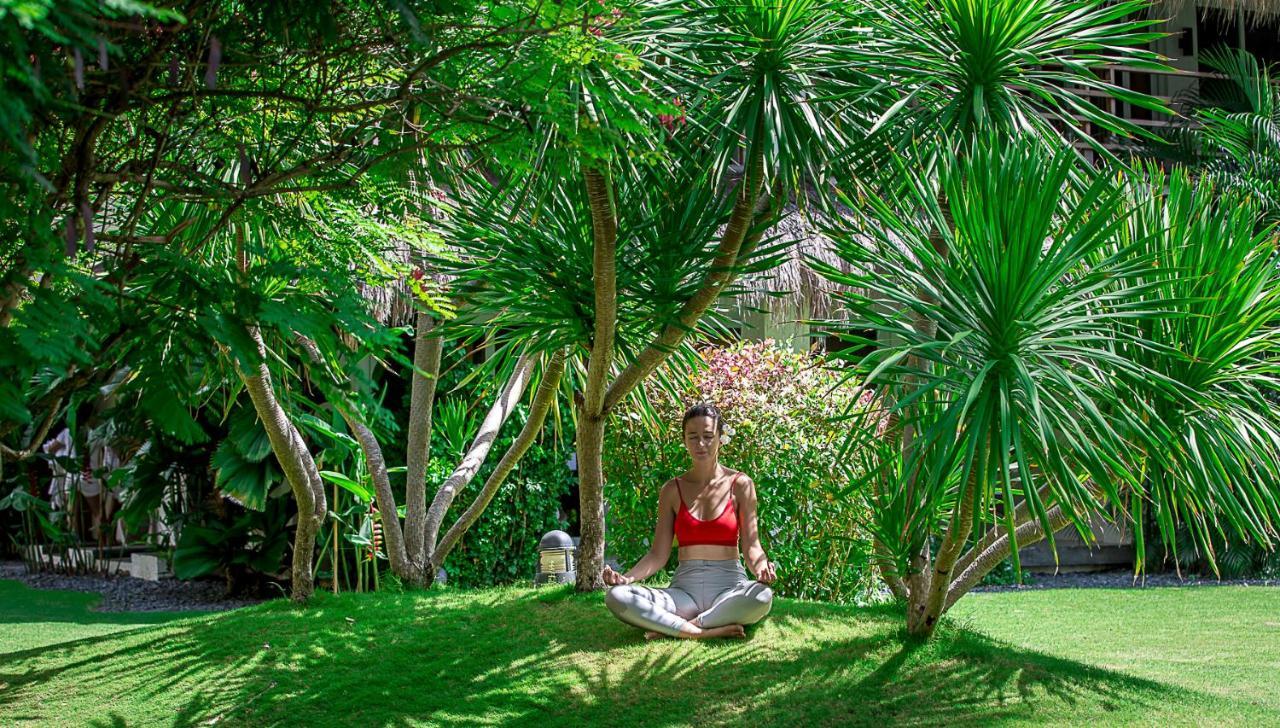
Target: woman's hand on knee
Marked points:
767	574
613	578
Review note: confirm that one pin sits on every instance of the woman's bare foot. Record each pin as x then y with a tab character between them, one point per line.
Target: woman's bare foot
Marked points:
651	635
729	630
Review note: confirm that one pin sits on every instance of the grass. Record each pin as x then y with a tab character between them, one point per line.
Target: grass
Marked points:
30	618
519	656
1217	642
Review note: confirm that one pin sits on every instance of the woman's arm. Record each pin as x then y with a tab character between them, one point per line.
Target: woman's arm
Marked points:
663	534
749	533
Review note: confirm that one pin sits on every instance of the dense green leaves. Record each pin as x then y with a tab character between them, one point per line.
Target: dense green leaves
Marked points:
775	78
1089	345
962	69
1236	134
1208	376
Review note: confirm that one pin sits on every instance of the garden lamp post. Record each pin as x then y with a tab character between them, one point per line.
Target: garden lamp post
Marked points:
556	559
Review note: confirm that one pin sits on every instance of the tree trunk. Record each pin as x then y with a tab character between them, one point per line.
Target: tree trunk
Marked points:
592	411
894	581
930	576
479	450
1021	514
918	585
426	364
980	565
543	398
402	563
298	466
921	622
590	448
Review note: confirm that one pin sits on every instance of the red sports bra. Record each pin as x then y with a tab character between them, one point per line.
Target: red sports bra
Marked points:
721	531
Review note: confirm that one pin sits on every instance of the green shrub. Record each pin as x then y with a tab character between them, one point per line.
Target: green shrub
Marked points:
501	547
780	407
1234	557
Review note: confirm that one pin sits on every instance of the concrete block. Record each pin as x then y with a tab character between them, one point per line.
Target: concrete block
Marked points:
148	566
83	558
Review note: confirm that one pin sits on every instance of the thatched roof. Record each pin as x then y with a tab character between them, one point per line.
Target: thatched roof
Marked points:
390	302
1253	10
795	278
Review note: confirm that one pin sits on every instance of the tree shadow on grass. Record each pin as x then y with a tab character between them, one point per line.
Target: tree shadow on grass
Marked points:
519	657
962	678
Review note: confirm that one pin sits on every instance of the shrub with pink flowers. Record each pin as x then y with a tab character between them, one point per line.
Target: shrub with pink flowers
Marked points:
786	415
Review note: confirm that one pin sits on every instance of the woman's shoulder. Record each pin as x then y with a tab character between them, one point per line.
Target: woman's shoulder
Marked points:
740	481
668	489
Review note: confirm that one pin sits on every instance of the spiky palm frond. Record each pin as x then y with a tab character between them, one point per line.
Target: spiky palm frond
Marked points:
966	68
1208	427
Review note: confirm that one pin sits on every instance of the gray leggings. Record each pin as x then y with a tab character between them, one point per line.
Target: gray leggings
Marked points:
716	593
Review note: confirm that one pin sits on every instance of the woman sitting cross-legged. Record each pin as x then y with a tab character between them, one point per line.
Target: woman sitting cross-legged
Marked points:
709	510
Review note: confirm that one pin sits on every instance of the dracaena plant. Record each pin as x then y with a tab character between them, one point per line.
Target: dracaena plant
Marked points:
961	69
1208	429
1063	311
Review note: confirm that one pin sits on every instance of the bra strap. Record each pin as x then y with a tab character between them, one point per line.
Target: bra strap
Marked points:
681	492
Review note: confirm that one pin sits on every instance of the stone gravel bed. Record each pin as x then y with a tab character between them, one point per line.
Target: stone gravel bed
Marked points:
127	594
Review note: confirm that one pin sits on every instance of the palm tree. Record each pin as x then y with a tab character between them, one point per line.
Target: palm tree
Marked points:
962	72
1055	377
622	257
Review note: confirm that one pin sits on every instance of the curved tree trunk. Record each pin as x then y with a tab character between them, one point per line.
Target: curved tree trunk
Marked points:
990	557
543	398
413	569
298	466
479	450
403	565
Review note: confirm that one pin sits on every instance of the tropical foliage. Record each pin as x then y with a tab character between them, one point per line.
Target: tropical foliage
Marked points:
1233	128
1090	344
335	210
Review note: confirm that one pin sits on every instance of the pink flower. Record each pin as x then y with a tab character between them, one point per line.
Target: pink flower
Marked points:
670	121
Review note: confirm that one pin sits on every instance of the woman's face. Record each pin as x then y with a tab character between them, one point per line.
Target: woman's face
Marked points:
701	438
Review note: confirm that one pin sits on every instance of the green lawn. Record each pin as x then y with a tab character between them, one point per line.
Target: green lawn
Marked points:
518	656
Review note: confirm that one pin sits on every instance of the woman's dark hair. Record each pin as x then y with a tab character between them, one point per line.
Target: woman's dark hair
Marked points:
704	409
